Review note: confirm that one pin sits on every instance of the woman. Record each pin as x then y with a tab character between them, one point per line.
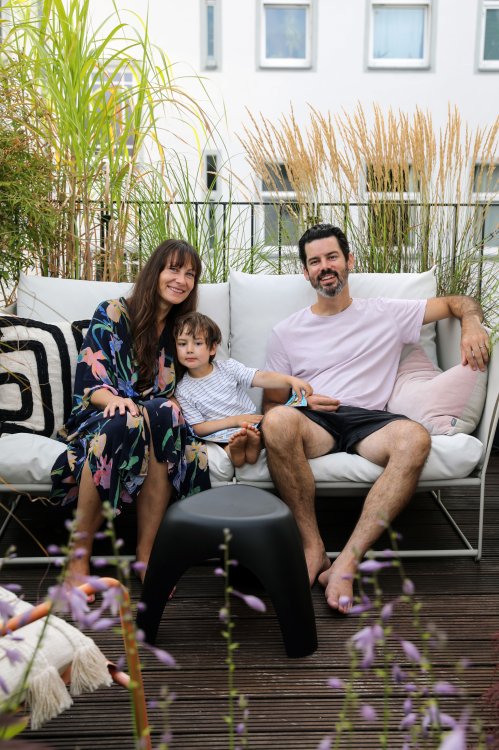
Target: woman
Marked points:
127	439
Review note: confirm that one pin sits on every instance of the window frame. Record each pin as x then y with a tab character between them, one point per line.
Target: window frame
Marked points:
214	61
277	199
401	63
286	62
485	65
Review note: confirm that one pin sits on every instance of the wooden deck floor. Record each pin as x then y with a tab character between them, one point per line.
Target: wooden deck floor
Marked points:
291	706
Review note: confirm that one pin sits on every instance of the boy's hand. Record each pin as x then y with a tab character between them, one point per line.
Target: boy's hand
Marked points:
298	385
251	418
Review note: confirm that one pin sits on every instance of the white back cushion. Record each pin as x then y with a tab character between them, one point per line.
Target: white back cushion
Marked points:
258	302
51	300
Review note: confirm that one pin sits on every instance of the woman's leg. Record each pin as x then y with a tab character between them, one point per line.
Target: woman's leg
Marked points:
152	503
88	519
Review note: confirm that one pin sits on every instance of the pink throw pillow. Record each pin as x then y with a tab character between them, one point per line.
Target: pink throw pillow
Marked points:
445	402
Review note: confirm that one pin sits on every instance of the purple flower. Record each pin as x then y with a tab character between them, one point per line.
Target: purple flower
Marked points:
336	683
53	549
13	655
407	706
373	566
219	572
444	688
387	611
6	611
240	728
456	740
325	744
408	587
138	566
408	721
368	712
14	587
253	602
223	614
411	652
164	657
366	640
4	686
364	606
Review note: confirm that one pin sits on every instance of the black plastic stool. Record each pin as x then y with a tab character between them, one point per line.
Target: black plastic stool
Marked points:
265	539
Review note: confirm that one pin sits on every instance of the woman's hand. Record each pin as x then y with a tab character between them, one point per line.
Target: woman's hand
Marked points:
122	405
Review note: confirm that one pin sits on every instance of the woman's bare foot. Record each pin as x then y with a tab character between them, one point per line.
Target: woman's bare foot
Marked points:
236	450
253	444
77	572
338	582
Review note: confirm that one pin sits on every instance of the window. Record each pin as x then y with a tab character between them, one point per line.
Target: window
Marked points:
210	34
211	172
391	219
486	193
399	34
489	36
285	34
281	213
117	86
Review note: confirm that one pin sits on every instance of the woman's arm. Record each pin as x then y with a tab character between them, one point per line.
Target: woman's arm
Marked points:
225	423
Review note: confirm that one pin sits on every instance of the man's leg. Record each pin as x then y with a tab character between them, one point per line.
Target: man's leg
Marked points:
290	439
402	447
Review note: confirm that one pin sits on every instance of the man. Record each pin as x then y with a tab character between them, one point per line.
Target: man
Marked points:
349	350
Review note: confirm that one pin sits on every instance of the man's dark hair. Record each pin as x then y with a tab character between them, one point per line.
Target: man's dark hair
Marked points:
198	325
320	232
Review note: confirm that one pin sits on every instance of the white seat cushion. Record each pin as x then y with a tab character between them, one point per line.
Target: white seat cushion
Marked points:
27	459
451	457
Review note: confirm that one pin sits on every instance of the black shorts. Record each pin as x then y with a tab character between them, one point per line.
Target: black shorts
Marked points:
349	424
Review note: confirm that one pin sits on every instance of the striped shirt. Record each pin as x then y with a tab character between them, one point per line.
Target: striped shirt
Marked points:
217	395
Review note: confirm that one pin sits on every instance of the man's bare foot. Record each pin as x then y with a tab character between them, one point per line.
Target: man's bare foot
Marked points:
236	449
338	582
317	562
253	444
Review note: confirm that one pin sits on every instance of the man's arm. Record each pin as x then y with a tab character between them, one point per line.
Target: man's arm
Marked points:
474	337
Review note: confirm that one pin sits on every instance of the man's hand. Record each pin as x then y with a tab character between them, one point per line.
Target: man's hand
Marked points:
474	344
117	403
316	402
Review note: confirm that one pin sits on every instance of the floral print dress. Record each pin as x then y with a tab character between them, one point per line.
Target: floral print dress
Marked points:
117	447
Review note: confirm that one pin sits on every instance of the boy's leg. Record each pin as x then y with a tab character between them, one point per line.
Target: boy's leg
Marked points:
253	443
236	449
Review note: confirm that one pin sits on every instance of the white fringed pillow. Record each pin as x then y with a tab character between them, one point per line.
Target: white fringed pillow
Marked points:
56	645
445	402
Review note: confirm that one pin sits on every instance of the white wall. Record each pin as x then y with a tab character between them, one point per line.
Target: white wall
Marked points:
339	78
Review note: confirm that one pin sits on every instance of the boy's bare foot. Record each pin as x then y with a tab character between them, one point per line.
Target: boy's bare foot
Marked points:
253	444
338	582
236	449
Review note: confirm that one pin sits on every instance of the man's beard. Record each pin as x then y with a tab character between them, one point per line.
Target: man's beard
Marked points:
330	291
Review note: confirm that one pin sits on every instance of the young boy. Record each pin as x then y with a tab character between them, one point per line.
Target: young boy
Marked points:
211	394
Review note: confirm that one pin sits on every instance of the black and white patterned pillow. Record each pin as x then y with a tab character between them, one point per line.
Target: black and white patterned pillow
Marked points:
37	369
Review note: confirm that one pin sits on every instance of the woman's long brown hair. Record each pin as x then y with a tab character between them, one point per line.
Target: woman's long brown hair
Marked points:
143	305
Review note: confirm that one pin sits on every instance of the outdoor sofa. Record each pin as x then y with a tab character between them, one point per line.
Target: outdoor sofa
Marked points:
38	351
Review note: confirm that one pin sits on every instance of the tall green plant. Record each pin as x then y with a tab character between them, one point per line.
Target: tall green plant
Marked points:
106	90
28	217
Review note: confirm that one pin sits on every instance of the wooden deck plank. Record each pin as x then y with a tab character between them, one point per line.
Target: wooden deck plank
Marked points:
291	707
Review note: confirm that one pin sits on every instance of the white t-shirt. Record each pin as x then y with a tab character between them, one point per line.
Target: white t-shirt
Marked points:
353	355
217	395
